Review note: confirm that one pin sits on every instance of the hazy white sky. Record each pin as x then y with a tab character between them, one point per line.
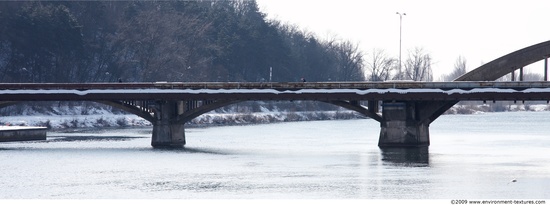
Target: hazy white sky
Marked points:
479	30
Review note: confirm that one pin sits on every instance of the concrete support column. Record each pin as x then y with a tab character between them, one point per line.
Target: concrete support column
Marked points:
400	126
521	74
546	69
167	131
372	106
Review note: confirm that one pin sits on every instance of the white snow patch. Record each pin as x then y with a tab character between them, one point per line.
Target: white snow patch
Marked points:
7	128
68	121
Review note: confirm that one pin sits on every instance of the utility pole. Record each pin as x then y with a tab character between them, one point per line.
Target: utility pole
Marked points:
399	75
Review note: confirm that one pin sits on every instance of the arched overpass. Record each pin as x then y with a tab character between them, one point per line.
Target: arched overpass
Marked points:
492	71
500	67
506	64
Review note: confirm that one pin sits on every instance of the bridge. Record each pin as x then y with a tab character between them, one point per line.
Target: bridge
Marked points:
408	108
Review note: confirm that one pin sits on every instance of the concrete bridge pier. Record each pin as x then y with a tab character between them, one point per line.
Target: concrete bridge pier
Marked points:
401	127
167	130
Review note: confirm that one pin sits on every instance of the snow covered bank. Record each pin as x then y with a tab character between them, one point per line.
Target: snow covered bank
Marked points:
74	121
60	117
499	107
121	120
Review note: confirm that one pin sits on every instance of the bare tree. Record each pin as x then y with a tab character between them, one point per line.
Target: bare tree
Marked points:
349	61
459	69
380	65
418	67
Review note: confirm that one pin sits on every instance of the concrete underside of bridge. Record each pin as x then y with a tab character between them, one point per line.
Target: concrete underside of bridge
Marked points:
401	126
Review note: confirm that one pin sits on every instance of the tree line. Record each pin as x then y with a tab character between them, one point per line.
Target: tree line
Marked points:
135	41
210	40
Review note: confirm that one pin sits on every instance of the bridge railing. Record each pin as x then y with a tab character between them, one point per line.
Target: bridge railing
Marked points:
274	85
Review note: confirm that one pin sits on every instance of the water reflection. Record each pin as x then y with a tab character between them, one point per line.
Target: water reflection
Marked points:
410	156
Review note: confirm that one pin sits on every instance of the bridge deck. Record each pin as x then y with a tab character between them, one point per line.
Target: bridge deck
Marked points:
277	85
430	91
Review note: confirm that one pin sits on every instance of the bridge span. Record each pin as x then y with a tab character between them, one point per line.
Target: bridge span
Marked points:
169	105
408	108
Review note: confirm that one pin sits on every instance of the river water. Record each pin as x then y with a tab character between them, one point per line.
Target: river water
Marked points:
471	156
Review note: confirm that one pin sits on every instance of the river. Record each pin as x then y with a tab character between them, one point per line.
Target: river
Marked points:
470	157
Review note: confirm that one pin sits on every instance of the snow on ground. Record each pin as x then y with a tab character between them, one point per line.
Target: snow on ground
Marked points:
71	121
536	108
483	108
116	120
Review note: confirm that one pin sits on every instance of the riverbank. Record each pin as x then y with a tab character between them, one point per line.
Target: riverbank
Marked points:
500	107
106	118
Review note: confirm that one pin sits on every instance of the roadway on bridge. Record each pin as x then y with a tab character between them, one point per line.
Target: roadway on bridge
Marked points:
445	91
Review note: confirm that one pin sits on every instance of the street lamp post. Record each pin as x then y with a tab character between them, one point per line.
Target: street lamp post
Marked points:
400	23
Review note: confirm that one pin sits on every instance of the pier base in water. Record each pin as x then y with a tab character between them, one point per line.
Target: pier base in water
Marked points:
167	130
401	128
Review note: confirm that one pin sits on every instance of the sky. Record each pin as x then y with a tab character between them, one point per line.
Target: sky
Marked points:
478	30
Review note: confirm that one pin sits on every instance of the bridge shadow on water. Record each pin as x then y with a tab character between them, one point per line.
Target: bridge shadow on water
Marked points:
74	145
88	139
407	157
191	150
